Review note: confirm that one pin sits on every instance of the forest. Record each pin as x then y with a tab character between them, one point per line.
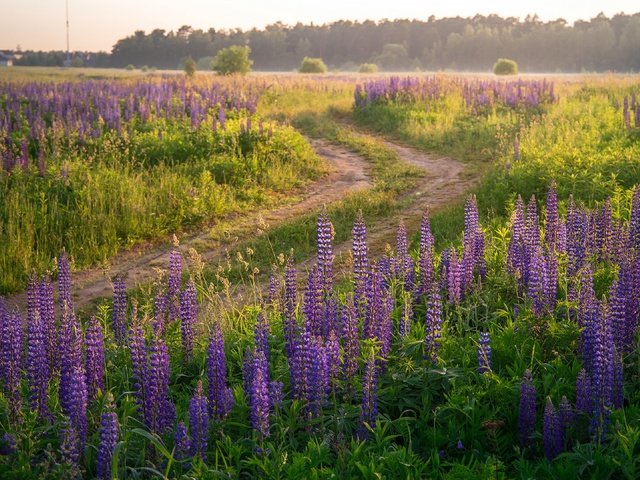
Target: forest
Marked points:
463	44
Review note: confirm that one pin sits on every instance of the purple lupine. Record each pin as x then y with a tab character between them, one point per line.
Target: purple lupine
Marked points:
109	432
425	256
199	423
527	416
360	253
313	302
403	262
473	251
160	312
274	291
290	326
551	433
602	373
317	377
515	257
634	220
173	283
604	232
454	277
369	405
259	399
159	407
332	347
119	314
588	317
484	353
70	449
325	254
218	393
64	282
552	222
351	336
406	317
182	442
433	325
550	280
94	354
576	236
139	363
535	286
73	386
188	317
11	336
8	444
46	308
38	372
566	418
584	403
261	334
276	393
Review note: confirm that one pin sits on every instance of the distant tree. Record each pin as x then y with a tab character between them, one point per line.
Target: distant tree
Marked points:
504	66
394	57
130	67
233	59
204	63
189	65
312	65
368	68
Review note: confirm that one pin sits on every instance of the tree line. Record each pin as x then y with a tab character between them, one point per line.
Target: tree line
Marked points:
473	43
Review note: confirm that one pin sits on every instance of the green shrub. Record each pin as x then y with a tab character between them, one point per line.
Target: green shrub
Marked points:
189	66
312	65
368	68
505	66
233	59
130	67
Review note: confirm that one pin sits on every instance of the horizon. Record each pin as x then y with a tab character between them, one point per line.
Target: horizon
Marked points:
30	26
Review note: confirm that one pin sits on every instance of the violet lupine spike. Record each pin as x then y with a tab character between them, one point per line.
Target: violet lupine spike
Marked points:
602	373
325	254
369	405
550	281
218	393
188	317
139	363
454	278
46	307
290	326
374	308
473	251
584	400
484	353
109	432
70	449
634	221
94	355
313	302
576	235
159	407
402	253
119	314
73	386
11	336
360	253
64	282
433	325
38	372
351	339
261	334
532	227
551	434
566	417
181	442
274	291
552	222
161	310
332	347
199	423
536	283
527	415
588	317
276	393
259	401
317	377
173	283
514	257
406	317
425	256
604	232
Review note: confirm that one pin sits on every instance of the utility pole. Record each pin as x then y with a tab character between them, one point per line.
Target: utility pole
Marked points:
67	62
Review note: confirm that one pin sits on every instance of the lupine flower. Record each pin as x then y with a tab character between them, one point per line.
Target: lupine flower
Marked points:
551	434
38	372
64	282
535	286
259	399
325	254
403	261
406	317
527	417
552	223
566	417
139	362
188	316
119	315
109	432
332	347
73	387
8	445
261	335
360	253
425	256
351	343
433	324
276	393
317	377
584	402
274	291
11	336
173	284
94	357
161	309
199	423
634	220
550	280
369	406
473	251
46	308
290	326
218	394
484	353
70	449
159	407
182	442
313	302
454	277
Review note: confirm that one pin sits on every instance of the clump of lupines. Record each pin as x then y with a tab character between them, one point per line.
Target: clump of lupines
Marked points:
290	326
70	449
11	344
433	325
351	339
109	432
325	254
220	397
119	314
259	401
425	256
188	316
182	442
369	406
94	356
73	386
484	353
38	371
360	253
527	415
46	309
199	422
173	283
473	245
64	282
551	432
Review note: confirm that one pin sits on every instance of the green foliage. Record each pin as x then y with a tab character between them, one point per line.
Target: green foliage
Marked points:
189	66
504	66
312	65
232	60
130	67
368	68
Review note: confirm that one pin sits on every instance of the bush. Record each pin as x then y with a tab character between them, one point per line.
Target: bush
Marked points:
233	59
130	67
312	65
189	65
504	66
368	68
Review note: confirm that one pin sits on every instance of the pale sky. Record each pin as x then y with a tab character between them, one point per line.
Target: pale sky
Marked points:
98	24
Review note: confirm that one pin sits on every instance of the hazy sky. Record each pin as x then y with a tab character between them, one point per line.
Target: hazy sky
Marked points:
98	24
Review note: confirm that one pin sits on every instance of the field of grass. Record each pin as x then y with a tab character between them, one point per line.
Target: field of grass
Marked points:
500	341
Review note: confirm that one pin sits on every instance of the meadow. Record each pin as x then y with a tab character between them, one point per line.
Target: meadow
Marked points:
499	339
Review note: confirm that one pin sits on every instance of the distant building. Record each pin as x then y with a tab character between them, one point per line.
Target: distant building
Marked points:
6	60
